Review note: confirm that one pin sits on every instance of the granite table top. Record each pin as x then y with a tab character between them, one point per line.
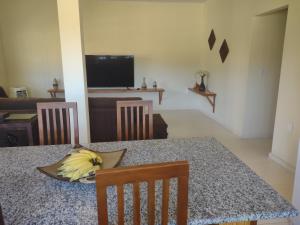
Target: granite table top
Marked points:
221	187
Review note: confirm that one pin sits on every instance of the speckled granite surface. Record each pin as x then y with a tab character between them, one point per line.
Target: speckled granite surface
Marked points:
222	188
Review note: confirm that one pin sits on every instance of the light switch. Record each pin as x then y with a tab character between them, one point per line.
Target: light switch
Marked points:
291	127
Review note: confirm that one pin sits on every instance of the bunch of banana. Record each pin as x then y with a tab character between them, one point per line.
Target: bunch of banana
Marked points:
80	164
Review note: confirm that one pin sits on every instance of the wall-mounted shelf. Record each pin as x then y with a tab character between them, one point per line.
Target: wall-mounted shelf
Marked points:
211	96
160	91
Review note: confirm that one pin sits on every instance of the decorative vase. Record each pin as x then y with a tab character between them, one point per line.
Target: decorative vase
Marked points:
202	87
144	84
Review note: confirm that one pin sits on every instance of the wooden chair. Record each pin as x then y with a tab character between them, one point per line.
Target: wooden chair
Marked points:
145	173
54	122
134	120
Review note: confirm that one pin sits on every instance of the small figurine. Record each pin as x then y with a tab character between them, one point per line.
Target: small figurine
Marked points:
154	84
55	83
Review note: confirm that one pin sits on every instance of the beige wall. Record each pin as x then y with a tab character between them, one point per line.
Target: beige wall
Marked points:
31	44
165	39
3	80
233	20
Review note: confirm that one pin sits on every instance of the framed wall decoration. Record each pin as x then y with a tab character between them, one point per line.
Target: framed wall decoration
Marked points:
212	39
224	51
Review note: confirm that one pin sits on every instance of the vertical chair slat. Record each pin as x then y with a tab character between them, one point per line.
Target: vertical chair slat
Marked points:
76	128
150	113
126	123
120	204
41	125
182	200
165	201
68	125
132	123
138	136
144	124
151	202
119	123
54	126
62	129
47	111
102	211
136	204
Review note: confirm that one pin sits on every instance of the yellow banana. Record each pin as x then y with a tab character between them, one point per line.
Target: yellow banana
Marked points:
82	163
78	164
90	153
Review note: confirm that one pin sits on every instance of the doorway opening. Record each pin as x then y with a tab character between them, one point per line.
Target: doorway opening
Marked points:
264	73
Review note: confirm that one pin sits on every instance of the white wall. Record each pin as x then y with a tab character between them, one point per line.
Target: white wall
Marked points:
264	74
165	39
31	44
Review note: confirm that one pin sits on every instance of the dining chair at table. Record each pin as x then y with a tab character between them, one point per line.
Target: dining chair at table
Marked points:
139	174
54	122
134	120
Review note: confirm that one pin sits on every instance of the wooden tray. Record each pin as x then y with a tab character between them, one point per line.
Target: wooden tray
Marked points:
110	160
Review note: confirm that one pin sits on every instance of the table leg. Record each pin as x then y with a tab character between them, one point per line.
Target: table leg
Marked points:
29	134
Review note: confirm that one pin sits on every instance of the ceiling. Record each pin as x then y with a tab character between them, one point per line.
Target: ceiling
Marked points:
165	0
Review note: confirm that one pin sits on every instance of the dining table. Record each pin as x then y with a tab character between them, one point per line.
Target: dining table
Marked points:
222	189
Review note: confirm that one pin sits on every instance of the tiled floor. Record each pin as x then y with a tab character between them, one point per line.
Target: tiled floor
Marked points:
254	152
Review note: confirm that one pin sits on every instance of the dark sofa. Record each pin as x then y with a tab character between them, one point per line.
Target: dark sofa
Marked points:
102	115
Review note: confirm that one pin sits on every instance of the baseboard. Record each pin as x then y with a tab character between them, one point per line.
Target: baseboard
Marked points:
282	162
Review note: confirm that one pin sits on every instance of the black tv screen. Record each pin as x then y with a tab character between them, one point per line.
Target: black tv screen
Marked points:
109	71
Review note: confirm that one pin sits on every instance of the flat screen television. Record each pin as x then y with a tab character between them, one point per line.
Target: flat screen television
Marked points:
109	71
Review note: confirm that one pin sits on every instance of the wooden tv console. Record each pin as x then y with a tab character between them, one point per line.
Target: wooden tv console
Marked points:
160	91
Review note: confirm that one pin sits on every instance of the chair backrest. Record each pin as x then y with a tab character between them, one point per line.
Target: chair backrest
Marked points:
134	120
54	122
145	173
1	217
